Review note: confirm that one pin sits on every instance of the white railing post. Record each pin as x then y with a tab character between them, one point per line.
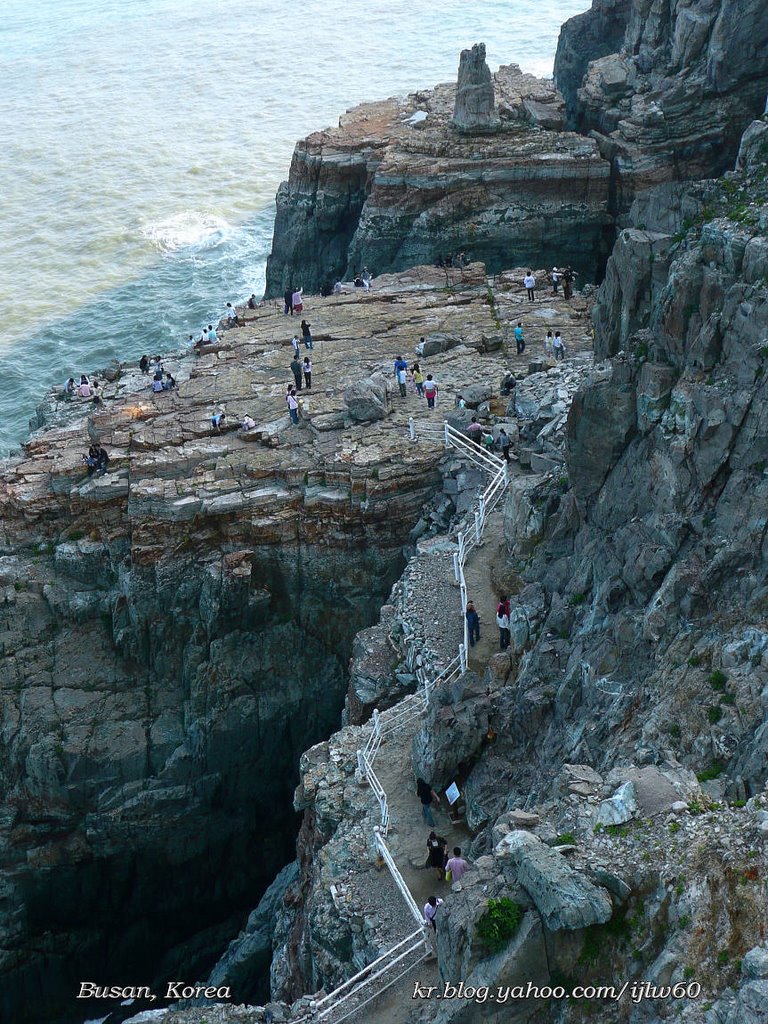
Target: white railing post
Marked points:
463	657
412	428
456	565
447	431
478	527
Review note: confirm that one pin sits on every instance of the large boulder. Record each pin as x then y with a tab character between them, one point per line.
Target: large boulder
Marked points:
367	399
475	108
563	897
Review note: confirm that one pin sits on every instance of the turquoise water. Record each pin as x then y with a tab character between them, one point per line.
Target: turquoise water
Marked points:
144	141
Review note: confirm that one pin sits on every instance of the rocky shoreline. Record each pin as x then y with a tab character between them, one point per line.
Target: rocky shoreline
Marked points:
182	631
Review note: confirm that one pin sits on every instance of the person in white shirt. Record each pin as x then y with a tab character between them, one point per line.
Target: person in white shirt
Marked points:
293	405
530	285
558	346
430	910
555	280
204	337
232	317
248	423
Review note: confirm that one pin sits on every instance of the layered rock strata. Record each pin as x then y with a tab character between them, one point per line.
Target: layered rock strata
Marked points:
176	631
665	88
396	184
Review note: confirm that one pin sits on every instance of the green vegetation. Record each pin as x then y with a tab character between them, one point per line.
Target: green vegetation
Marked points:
714	714
566	839
499	923
577	599
674	826
674	730
723	958
689	972
695	660
714	771
718	679
596	936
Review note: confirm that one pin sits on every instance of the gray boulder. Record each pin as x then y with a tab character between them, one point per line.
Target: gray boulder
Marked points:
563	897
475	394
367	399
621	807
475	107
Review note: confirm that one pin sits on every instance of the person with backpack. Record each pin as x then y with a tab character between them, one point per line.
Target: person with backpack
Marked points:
502	621
428	796
473	623
430	391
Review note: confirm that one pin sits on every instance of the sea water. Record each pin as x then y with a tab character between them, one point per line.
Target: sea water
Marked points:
144	140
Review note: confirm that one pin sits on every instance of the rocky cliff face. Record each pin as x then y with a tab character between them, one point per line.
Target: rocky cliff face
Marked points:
176	632
396	184
666	88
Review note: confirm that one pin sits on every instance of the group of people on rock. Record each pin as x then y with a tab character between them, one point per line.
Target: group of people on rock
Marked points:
426	386
554	346
85	388
293	300
448	869
208	336
161	380
565	274
503	612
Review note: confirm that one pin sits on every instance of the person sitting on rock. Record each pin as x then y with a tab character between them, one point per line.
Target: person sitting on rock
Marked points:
212	335
252	303
91	459
248	423
70	388
460	403
84	388
169	383
102	462
337	288
508	384
157	384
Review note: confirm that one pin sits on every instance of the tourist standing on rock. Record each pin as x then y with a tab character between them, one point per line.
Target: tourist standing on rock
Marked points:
558	347
307	368
296	371
288	300
431	391
296	345
568	276
436	847
337	288
293	405
297	301
548	343
460	403
232	318
401	370
475	430
418	379
473	623
306	335
555	278
428	796
143	363
502	621
519	339
530	286
504	443
252	303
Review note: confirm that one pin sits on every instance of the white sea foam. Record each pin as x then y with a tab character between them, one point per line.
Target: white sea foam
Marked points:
188	229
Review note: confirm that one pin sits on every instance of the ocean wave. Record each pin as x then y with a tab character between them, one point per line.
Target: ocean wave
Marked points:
187	230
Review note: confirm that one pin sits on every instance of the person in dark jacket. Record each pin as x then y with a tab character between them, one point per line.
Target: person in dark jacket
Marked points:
288	300
296	371
428	796
436	856
473	622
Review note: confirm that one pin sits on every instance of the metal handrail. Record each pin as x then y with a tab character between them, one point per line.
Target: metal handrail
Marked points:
409	708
